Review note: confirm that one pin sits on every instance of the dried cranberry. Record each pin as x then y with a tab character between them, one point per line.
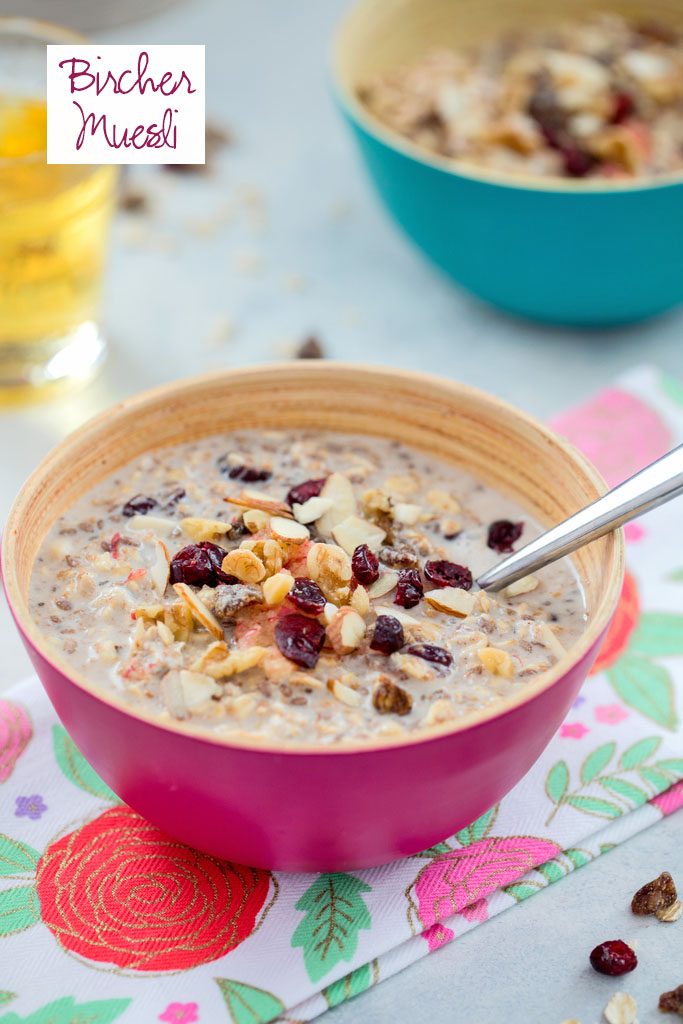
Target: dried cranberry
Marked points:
300	639
307	596
430	652
448	574
173	498
409	589
302	492
613	957
248	474
388	635
140	505
622	108
365	565
577	162
199	565
503	534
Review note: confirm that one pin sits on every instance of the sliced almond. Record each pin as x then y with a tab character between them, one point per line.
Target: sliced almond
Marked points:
523	586
199	610
621	1009
440	711
304	679
384	585
243	706
452	600
497	662
276	588
204	529
255	520
353	530
406	513
197	688
253	499
344	694
360	601
670	914
165	634
346	632
311	510
550	640
289	530
397	613
329	612
172	695
156	524
160	568
337	489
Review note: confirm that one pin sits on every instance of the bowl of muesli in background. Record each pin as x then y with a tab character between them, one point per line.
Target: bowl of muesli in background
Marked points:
533	151
251	598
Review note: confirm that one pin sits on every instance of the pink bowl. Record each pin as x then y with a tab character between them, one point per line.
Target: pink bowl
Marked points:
303	808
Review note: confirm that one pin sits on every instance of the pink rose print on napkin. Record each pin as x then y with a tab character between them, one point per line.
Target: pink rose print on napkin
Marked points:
617	432
610	714
573	730
670	800
15	732
180	1013
458	881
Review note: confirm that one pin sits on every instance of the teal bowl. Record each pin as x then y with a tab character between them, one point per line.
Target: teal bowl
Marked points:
586	254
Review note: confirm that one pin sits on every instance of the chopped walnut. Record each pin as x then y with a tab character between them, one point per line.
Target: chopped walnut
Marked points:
403	557
229	600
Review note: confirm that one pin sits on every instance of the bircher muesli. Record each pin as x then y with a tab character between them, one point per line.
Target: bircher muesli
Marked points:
600	97
299	587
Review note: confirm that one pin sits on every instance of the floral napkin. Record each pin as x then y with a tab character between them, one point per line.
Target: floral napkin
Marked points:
103	918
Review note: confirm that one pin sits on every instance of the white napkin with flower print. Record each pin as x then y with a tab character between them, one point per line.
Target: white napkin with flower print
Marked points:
129	926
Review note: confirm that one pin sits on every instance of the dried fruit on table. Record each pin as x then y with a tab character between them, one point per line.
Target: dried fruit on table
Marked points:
448	574
409	589
613	957
659	894
672	1002
502	535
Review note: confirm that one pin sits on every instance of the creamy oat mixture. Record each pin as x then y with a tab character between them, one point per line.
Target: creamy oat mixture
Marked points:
299	587
598	98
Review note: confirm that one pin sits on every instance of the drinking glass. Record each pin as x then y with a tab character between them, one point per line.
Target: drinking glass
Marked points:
54	222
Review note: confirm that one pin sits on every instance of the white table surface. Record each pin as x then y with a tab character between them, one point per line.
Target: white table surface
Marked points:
286	239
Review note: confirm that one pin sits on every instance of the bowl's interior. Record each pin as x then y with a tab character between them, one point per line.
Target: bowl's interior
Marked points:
489	439
379	35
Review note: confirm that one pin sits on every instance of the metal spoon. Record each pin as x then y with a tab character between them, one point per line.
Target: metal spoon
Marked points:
656	484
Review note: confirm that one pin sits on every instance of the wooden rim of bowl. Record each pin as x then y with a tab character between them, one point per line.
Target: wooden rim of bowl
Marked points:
399	380
346	93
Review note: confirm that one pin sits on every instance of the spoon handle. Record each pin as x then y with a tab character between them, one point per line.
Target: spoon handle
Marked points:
656	484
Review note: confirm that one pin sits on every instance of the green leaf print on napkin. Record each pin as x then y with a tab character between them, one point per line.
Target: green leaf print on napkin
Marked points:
335	912
672	388
646	687
19	909
247	1004
68	1011
76	768
636	760
352	985
7	997
16	858
658	634
479	829
552	871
